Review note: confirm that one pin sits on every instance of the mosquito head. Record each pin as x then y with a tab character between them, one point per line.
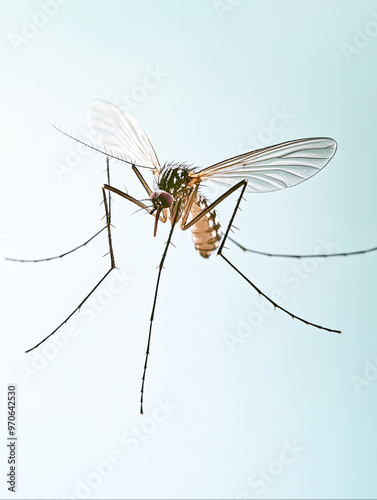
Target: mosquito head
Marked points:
160	200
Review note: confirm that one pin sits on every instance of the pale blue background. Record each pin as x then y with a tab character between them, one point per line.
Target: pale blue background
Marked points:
224	76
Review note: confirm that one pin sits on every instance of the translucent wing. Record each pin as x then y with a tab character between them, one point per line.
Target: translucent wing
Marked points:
276	167
119	132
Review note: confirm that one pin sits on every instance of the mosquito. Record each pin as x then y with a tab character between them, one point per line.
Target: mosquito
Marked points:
175	195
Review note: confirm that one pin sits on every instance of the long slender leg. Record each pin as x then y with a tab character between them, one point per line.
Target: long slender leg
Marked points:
342	254
108	182
109	188
107	204
243	184
276	306
185	226
160	267
82	244
58	256
141	179
112	266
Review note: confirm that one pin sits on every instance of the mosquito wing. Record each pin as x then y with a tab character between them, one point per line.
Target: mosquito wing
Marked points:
119	132
276	167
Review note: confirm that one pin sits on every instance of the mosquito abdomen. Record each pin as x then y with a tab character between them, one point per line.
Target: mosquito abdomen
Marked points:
206	233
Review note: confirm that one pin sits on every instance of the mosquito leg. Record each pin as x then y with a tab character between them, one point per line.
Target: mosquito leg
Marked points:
134	200
107	204
243	184
160	267
82	244
108	182
141	179
112	266
58	256
343	254
276	306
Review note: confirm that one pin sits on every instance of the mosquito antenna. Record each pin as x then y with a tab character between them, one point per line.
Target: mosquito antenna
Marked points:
160	267
343	254
105	151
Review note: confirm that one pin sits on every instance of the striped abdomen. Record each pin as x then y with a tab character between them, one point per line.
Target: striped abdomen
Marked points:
206	233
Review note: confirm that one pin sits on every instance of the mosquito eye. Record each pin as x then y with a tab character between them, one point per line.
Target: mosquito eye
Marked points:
166	199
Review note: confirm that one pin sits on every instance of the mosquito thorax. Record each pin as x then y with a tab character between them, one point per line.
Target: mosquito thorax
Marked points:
161	199
174	178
